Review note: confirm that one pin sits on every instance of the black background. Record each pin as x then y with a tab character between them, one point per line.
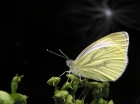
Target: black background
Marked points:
28	28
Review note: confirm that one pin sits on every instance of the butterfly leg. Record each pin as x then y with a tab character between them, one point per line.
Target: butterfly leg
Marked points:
65	72
80	78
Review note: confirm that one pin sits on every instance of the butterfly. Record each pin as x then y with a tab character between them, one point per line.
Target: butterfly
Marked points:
104	60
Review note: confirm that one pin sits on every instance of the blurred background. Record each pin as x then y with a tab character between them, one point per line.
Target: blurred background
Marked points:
28	28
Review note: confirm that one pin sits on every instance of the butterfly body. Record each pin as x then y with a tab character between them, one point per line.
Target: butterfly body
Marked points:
103	60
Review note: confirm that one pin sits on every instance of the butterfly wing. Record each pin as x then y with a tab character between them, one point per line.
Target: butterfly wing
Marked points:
105	59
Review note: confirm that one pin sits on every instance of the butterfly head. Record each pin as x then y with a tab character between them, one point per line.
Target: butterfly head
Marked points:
69	63
73	67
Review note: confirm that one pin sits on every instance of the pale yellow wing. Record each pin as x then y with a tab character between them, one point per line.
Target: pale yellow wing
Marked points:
105	59
117	39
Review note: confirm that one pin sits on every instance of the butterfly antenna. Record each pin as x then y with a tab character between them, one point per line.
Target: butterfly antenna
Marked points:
58	54
64	54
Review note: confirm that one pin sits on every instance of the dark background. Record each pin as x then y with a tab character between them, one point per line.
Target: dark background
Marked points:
28	28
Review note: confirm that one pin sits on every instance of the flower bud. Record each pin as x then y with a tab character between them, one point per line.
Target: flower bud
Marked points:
66	86
61	94
19	98
5	98
101	101
53	81
14	83
77	101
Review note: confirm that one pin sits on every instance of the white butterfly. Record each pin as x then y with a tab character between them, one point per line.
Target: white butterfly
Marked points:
103	60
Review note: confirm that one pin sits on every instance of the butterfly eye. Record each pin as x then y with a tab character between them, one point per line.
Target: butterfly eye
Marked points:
68	63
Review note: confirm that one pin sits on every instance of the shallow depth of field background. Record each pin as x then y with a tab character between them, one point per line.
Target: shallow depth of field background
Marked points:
28	28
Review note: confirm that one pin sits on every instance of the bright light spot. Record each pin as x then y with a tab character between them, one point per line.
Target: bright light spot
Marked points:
107	12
